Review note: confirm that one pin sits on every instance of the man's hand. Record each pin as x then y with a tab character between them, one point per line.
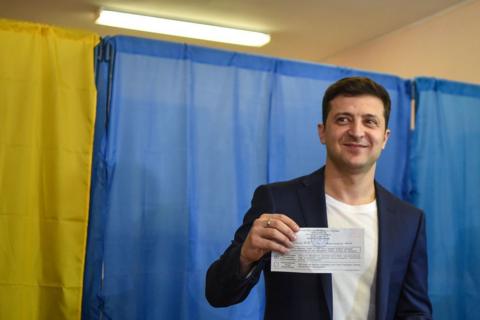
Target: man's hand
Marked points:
270	232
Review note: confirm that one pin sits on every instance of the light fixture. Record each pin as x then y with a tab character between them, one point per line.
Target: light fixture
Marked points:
181	28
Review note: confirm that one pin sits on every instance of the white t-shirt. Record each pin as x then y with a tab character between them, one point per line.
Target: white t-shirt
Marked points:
354	292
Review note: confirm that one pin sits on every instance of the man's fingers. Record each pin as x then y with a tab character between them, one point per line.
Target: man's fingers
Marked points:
287	220
277	224
277	236
270	232
267	245
281	222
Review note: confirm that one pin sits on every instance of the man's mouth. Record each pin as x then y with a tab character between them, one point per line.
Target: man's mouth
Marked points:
355	145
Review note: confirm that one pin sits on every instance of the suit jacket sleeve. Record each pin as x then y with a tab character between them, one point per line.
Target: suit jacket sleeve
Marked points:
414	302
225	285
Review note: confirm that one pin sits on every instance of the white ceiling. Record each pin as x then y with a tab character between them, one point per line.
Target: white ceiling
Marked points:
301	29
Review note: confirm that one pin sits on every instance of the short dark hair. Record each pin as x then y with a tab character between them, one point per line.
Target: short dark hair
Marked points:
356	86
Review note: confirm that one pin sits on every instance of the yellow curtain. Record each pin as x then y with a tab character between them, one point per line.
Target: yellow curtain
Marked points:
47	113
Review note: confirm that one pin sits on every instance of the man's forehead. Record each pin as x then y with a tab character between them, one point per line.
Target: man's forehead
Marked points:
365	98
364	103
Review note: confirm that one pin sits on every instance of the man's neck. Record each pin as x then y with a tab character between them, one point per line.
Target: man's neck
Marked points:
351	188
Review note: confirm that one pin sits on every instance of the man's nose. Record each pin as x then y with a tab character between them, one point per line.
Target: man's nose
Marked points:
356	129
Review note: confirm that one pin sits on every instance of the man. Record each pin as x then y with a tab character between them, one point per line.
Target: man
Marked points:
343	194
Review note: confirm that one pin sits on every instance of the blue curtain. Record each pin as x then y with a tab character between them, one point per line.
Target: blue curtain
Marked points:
92	303
185	136
445	163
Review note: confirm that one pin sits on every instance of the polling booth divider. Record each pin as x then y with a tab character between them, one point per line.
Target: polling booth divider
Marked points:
187	135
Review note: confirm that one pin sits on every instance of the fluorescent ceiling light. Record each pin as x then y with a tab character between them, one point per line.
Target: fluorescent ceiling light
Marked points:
181	28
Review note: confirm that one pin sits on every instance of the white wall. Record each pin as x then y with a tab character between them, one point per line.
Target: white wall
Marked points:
446	45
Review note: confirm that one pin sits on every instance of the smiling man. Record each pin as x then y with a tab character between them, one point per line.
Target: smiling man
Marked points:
392	281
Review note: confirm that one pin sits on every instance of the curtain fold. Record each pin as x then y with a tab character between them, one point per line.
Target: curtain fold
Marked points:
445	174
189	133
47	112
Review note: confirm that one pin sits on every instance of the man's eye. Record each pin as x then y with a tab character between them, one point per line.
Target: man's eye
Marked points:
371	122
342	120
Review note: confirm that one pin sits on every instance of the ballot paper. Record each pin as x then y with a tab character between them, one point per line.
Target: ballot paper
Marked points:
322	250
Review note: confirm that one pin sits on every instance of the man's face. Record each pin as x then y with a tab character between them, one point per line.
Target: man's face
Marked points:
354	132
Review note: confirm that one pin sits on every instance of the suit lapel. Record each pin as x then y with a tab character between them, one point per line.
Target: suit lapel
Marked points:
385	240
312	199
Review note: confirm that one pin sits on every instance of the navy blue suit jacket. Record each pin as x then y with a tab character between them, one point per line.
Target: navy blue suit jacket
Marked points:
401	281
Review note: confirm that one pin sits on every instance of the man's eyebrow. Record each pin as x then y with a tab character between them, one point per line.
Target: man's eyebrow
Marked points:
370	115
367	115
343	114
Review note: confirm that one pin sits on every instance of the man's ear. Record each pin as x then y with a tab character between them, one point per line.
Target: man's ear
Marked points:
385	138
321	132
